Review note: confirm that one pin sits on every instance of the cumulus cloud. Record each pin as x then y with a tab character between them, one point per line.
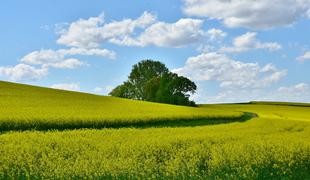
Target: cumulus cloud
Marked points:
58	58
230	73
82	33
42	57
304	57
69	87
51	57
298	88
85	36
88	52
23	72
249	41
161	34
258	14
93	32
45	59
62	58
66	64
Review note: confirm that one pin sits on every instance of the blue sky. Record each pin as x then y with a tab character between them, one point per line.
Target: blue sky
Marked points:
234	50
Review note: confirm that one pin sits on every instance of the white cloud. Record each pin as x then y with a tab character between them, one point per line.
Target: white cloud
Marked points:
57	59
161	34
84	37
51	57
214	41
258	14
216	34
66	64
93	32
88	52
70	86
23	72
298	88
304	57
82	33
42	57
205	48
230	73
46	59
249	41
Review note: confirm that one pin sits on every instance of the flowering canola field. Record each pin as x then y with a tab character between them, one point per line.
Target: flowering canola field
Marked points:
25	107
56	134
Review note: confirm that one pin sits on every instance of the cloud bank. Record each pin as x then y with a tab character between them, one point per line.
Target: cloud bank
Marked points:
230	73
258	14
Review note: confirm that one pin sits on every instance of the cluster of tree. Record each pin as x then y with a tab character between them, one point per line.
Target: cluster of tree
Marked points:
152	81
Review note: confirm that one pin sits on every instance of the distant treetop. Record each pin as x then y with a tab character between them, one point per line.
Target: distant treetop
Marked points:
152	81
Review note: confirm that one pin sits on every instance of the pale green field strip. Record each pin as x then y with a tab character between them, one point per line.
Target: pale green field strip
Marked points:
25	107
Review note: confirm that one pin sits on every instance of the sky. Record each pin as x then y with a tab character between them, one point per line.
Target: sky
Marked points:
234	50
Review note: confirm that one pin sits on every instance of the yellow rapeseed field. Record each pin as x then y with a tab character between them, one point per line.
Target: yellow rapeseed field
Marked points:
27	107
273	145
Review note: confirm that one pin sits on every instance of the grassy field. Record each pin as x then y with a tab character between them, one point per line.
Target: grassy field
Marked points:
273	145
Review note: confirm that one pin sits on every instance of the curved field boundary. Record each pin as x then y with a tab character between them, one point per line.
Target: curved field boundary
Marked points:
156	123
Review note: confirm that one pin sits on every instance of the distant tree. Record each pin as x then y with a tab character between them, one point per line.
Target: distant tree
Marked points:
151	81
141	73
126	90
170	88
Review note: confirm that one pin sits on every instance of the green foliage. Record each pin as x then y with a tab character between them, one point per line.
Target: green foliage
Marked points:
126	90
141	73
151	81
170	89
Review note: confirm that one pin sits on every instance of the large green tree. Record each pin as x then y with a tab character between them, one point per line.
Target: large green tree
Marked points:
152	81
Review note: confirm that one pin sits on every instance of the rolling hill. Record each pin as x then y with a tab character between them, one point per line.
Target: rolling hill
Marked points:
55	134
25	107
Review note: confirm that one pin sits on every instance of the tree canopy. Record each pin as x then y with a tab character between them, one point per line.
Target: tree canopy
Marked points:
152	81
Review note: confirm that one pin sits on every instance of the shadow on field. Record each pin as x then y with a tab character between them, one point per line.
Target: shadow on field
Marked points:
194	122
42	126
